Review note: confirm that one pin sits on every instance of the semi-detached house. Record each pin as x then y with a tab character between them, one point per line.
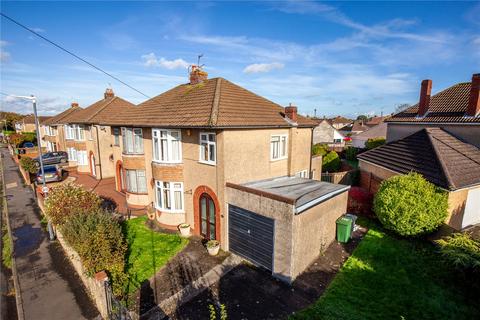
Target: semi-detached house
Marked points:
233	165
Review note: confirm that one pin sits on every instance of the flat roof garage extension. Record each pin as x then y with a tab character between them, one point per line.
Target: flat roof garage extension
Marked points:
284	223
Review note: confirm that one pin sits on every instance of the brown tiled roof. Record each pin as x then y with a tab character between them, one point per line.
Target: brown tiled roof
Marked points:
31	119
340	119
448	105
376	120
59	118
100	111
438	155
214	103
359	125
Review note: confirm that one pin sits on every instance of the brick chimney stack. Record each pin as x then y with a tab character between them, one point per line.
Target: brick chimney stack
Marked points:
108	93
291	112
197	75
473	108
74	104
425	93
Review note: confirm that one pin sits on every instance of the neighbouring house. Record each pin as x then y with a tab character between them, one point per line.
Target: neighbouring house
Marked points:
27	123
53	131
439	138
231	164
373	121
339	122
325	133
91	146
358	126
377	131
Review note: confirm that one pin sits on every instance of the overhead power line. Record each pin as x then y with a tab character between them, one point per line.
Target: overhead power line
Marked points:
71	53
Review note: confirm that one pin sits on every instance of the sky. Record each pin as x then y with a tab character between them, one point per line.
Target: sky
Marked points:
338	58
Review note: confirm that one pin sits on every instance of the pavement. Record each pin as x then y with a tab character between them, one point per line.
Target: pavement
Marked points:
48	286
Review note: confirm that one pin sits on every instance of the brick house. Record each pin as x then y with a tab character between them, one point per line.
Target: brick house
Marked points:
440	138
27	123
52	130
195	152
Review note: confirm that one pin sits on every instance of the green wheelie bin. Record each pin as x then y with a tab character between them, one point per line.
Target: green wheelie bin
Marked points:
344	229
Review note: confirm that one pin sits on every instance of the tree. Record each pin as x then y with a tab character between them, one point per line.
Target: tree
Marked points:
410	205
319	149
331	162
16	139
362	117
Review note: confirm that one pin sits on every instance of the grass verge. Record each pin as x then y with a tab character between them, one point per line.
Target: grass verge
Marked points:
148	251
391	278
6	248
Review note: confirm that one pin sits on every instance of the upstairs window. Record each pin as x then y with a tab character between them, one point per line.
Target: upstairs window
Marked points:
74	132
208	149
169	196
132	140
278	147
167	146
136	181
116	136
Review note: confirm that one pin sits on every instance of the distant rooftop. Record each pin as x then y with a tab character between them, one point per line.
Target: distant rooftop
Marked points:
303	193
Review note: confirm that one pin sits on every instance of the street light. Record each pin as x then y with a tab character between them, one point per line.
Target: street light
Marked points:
40	155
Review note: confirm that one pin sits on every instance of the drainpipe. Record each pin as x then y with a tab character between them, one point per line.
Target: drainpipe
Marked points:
99	156
310	165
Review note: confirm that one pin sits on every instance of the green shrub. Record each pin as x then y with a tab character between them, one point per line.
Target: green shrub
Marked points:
374	142
30	137
98	239
331	162
29	165
67	199
461	250
410	205
319	149
351	153
16	139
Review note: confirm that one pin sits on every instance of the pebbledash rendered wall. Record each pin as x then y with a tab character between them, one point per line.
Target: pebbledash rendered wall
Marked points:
298	239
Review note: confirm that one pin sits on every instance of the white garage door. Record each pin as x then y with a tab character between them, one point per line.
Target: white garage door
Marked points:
472	208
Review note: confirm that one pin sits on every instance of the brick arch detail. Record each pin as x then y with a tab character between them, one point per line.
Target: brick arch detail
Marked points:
118	172
196	210
90	156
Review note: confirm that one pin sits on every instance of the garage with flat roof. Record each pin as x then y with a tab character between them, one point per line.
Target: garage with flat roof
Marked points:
283	224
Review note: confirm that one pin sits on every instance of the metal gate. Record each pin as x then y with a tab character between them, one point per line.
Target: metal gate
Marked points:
116	310
251	236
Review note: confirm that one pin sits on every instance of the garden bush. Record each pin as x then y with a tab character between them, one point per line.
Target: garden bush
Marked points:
98	239
29	165
16	139
351	153
410	205
331	162
461	250
374	142
319	149
67	199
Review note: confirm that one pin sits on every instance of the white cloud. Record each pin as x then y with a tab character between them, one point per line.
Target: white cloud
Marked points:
38	30
151	60
4	55
263	67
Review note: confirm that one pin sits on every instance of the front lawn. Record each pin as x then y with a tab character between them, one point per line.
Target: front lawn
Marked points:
148	251
391	278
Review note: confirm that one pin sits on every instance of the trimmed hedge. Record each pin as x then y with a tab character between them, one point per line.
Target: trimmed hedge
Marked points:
374	142
331	162
319	149
410	205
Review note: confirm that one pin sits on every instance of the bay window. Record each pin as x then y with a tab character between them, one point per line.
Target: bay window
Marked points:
208	152
136	181
72	154
82	158
278	147
169	196
74	132
132	140
167	146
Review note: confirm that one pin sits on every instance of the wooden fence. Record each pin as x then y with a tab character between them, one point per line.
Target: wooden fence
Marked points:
343	177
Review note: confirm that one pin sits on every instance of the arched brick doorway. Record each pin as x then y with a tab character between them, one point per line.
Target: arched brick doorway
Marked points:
120	174
204	199
91	161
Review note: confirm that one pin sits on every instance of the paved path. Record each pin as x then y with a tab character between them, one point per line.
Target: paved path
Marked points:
49	287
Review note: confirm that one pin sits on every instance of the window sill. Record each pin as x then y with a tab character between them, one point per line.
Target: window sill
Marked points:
210	163
166	163
169	211
279	159
133	154
137	193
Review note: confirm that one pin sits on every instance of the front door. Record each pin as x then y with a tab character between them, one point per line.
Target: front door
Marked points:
207	217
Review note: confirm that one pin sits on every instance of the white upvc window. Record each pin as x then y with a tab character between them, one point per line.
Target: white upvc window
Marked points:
74	132
169	196
167	145
116	136
278	147
302	174
136	181
132	140
72	154
82	158
208	148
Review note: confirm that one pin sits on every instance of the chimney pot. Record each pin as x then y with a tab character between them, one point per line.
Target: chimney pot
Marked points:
108	93
473	108
197	75
74	104
291	112
425	92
